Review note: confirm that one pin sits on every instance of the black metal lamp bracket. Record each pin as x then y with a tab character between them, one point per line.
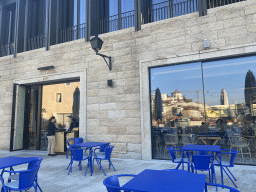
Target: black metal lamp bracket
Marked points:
104	56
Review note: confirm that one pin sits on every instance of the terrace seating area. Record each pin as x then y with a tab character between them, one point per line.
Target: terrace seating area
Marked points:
53	173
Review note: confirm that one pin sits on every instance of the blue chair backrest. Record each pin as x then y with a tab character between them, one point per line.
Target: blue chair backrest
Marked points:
78	140
108	151
27	178
70	139
112	184
102	147
77	154
202	162
35	164
233	156
171	150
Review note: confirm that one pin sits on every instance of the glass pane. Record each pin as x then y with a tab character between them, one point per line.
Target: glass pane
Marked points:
182	107
113	7
230	95
66	112
82	11
127	5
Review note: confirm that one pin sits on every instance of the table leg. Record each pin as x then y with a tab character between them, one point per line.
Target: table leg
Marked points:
2	180
90	160
221	170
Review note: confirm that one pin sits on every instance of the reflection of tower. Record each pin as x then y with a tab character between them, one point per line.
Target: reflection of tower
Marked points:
223	97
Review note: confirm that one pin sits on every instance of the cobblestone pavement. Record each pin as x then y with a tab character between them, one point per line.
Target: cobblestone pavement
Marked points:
53	175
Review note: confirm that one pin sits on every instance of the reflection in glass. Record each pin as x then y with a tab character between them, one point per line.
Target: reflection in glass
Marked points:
224	114
182	102
64	111
230	103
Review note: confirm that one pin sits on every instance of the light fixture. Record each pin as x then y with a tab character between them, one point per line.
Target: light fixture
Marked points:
96	44
45	68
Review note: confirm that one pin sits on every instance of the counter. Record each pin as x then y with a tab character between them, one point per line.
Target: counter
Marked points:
61	139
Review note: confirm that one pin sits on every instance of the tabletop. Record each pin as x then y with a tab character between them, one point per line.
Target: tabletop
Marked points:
90	144
13	161
214	148
172	181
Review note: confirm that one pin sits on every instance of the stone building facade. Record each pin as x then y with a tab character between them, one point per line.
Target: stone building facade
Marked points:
121	114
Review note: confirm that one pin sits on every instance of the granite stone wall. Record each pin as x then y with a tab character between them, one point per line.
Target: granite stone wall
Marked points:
114	114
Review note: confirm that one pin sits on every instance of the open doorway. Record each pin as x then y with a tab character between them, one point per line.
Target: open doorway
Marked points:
33	105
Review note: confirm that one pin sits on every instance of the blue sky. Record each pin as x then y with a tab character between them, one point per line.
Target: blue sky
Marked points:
228	74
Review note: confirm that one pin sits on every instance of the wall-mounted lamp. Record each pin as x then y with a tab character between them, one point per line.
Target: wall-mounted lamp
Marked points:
96	44
45	68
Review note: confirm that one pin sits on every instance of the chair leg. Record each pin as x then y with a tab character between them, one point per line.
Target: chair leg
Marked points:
102	168
80	166
86	168
249	152
231	174
37	185
110	163
70	169
242	153
230	178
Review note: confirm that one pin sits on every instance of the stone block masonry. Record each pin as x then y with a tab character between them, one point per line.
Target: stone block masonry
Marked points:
115	114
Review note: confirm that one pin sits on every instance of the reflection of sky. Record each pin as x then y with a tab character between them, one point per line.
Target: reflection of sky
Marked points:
126	5
225	74
82	11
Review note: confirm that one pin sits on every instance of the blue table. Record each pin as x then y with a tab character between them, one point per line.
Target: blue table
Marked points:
90	145
13	161
9	162
171	181
213	148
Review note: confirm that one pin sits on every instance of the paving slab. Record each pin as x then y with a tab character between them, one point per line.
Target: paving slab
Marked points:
53	174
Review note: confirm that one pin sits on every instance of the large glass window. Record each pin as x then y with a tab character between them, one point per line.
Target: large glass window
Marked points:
120	15
205	103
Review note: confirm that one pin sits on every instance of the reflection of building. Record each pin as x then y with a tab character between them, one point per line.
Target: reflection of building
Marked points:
223	97
177	95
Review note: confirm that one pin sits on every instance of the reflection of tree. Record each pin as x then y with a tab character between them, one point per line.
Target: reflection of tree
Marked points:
187	100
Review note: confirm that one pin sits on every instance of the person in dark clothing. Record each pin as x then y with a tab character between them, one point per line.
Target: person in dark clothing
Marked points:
51	136
75	123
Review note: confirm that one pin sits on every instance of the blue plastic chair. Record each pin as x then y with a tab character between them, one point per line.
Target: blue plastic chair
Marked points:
78	155
204	163
218	185
112	183
183	160
26	180
76	140
226	164
107	156
101	150
31	165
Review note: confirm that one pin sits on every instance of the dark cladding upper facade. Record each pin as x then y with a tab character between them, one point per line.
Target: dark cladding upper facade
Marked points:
31	24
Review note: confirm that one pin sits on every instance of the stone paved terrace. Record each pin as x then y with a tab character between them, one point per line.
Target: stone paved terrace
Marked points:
53	175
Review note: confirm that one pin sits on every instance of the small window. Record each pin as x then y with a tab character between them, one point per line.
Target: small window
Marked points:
58	97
